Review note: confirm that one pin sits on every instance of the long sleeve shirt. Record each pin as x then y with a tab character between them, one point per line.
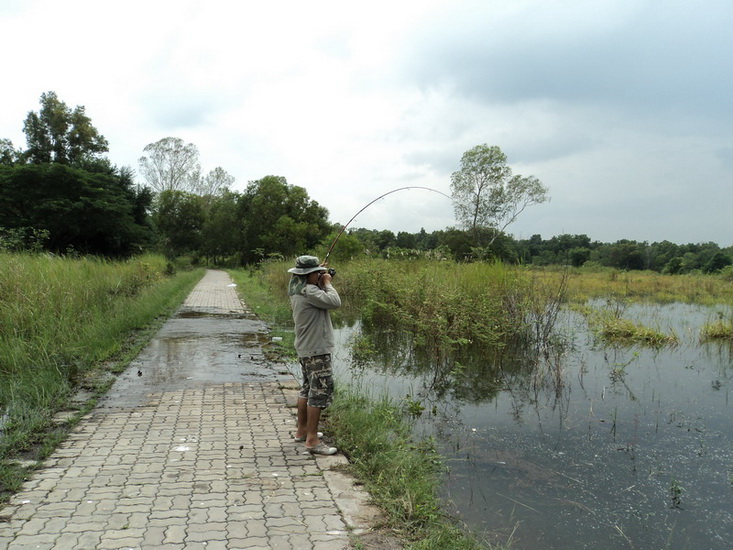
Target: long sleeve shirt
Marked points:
313	328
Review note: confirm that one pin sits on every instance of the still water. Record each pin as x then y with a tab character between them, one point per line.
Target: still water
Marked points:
598	447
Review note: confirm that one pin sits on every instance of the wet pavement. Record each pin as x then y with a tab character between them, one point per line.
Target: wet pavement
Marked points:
191	448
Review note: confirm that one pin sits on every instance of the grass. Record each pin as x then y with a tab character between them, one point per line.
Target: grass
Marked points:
642	286
401	475
720	329
67	324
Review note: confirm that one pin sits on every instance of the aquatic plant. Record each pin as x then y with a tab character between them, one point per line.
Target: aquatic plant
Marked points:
720	329
675	493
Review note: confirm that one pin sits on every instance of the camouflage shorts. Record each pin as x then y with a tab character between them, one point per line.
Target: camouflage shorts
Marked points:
317	380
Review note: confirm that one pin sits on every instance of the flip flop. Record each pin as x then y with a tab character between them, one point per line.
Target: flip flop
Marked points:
322	449
301	439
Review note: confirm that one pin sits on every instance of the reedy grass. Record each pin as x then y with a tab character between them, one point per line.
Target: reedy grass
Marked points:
61	321
642	286
720	329
402	476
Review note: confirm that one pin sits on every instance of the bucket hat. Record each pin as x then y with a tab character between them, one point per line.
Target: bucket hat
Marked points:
305	265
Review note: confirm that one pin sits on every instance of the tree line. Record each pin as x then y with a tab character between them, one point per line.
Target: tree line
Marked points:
62	194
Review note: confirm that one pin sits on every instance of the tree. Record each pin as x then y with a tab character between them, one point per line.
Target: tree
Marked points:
91	213
486	194
716	263
171	165
179	218
221	233
58	134
279	218
8	154
216	182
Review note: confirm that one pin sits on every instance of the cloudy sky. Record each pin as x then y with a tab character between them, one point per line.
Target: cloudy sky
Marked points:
623	108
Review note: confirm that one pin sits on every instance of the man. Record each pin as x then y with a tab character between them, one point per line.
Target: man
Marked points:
311	298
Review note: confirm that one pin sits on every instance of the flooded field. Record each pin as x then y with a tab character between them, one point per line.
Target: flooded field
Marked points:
597	447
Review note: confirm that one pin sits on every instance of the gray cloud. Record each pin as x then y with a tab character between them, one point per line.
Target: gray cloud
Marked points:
670	55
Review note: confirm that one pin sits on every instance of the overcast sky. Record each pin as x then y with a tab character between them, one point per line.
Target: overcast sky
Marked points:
624	109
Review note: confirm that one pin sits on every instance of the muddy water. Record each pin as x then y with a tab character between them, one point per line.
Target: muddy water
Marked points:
600	447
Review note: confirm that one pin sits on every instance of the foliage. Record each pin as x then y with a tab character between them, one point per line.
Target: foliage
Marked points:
171	165
216	182
486	194
58	134
278	217
88	212
178	218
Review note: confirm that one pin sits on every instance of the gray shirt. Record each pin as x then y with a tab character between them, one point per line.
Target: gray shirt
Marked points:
313	329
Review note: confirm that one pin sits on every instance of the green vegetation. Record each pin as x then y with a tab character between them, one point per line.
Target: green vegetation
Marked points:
61	194
402	476
65	325
720	329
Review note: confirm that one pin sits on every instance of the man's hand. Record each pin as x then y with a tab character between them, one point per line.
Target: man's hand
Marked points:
324	279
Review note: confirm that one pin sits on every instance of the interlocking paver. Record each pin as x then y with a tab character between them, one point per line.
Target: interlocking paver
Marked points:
189	453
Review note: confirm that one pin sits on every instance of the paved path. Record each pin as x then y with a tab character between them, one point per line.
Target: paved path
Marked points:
191	449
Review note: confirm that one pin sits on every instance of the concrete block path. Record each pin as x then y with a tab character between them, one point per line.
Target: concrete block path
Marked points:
189	461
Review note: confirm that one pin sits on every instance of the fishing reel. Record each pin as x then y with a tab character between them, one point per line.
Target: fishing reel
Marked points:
331	272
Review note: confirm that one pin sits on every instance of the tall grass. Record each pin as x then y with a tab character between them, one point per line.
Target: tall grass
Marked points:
60	318
403	477
643	286
442	305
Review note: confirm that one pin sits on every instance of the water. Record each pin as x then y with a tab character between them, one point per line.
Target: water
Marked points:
599	448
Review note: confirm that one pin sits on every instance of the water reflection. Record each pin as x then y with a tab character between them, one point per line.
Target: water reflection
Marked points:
573	446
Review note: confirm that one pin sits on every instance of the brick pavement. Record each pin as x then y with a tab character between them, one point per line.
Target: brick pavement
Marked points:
192	465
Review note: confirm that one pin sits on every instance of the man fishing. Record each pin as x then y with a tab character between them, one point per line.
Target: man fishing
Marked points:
312	297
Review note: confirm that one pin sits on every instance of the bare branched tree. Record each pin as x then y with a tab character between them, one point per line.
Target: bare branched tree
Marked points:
171	165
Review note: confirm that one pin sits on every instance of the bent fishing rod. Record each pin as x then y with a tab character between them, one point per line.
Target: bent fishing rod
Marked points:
325	261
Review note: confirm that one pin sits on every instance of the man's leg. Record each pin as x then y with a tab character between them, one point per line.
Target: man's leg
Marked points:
302	428
313	415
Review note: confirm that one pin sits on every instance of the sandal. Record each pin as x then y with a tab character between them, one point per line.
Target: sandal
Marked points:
301	439
322	449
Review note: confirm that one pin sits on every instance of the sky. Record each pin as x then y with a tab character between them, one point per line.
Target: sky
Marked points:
622	108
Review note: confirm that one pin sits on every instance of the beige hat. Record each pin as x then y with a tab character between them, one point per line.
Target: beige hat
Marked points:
305	265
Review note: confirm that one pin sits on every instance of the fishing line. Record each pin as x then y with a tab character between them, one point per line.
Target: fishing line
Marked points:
325	261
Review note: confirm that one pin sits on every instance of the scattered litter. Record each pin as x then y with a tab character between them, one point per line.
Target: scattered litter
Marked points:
232	285
25	501
182	448
274	474
277	338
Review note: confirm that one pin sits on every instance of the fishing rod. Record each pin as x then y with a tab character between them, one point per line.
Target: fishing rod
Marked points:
325	261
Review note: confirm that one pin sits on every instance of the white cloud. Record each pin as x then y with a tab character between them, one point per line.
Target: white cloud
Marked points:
621	108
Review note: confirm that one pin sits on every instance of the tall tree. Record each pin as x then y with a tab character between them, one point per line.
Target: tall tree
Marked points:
216	182
8	154
94	213
179	218
487	195
171	165
279	218
58	134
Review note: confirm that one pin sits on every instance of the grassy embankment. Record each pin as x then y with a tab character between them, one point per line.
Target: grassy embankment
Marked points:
67	325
